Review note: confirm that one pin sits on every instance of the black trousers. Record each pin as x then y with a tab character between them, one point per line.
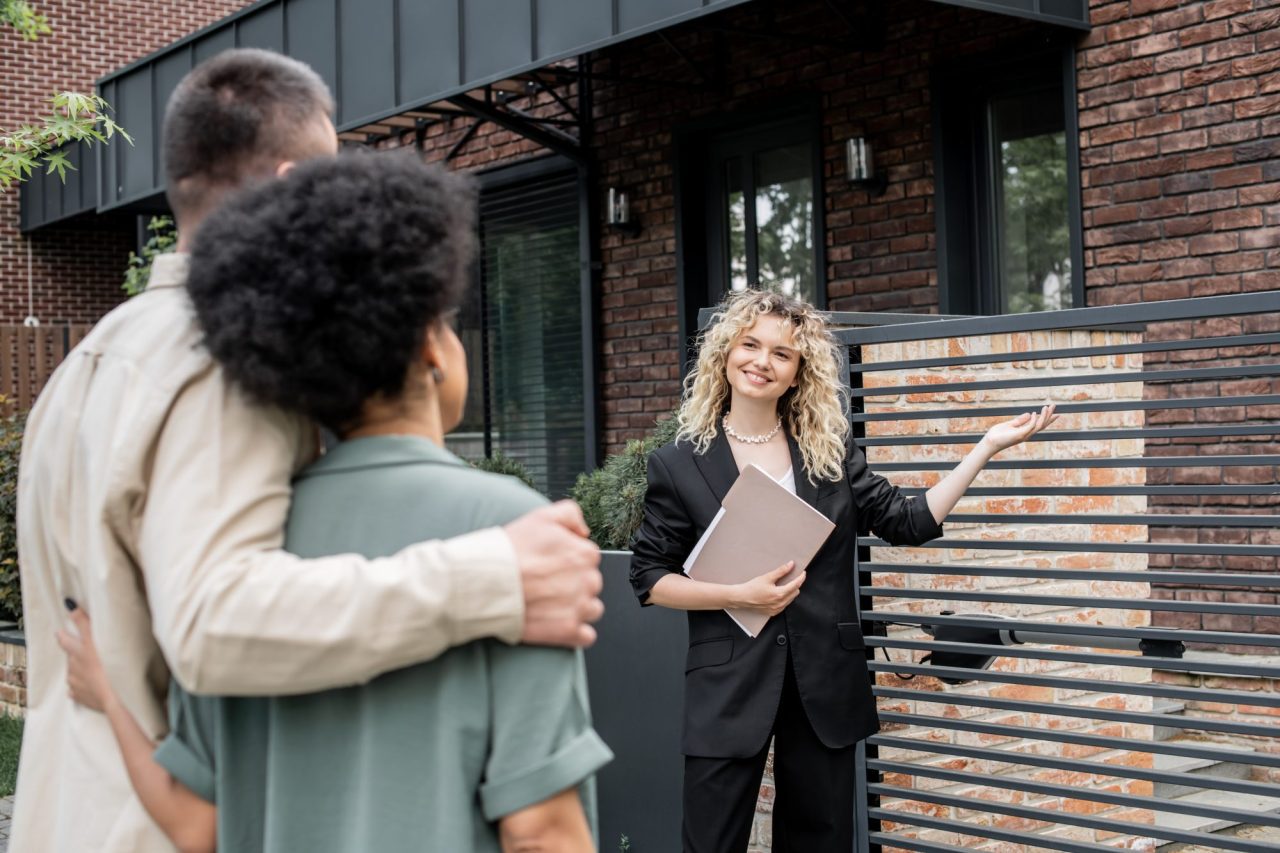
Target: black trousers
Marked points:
813	801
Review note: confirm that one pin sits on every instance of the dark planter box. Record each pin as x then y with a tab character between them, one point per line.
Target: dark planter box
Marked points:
636	673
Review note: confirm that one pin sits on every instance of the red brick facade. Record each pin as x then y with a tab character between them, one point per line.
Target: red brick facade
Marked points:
1180	148
75	274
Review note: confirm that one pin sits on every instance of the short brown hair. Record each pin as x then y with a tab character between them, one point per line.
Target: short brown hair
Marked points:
235	116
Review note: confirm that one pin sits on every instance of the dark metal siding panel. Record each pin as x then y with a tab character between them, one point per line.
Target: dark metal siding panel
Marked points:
263	28
136	162
51	196
429	48
30	206
45	199
169	71
109	155
311	36
1072	13
1075	10
366	59
634	14
563	25
70	195
497	37
223	38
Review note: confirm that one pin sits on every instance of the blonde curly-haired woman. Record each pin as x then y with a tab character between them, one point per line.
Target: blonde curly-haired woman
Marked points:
766	391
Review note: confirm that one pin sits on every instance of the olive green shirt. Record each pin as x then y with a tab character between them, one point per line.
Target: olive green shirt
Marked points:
421	759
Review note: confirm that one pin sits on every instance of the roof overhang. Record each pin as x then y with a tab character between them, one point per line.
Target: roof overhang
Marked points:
383	59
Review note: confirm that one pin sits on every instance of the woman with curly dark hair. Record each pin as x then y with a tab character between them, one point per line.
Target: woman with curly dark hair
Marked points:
330	292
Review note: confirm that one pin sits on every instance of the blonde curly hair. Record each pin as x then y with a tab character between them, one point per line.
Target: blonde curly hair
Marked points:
813	411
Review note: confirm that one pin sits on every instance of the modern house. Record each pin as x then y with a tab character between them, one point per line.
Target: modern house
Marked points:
640	158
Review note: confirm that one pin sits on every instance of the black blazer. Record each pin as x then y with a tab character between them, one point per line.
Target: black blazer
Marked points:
733	682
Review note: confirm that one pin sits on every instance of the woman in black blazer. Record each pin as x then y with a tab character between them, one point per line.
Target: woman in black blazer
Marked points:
766	391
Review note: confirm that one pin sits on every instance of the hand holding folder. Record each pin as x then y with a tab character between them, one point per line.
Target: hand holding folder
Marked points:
760	526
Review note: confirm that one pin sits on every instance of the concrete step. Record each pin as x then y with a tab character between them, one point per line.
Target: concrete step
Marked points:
1224	768
1263	834
1168	707
1222	799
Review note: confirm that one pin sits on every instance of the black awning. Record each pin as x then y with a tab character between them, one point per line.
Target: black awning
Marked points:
47	199
1069	13
382	58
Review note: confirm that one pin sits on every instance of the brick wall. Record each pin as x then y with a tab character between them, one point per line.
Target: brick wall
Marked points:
1180	148
76	273
13	676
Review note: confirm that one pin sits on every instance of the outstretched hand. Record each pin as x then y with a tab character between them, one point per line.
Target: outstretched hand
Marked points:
86	678
1005	435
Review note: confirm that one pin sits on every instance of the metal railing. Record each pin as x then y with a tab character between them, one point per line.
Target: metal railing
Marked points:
1088	656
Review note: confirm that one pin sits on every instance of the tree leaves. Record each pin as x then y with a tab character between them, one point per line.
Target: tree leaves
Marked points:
73	117
19	15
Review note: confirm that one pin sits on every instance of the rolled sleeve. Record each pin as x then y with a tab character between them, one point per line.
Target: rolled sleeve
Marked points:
568	767
184	764
188	751
542	739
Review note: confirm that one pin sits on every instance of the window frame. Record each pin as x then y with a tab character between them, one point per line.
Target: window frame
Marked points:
507	176
700	225
967	223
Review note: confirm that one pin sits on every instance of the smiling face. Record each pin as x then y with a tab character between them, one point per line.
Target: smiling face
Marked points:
763	363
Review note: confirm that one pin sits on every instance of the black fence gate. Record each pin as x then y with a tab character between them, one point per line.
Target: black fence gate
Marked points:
1088	658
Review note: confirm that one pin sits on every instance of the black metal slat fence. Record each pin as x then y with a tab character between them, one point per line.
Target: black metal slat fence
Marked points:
1119	583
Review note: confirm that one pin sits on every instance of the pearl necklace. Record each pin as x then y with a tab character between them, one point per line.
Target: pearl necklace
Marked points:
751	439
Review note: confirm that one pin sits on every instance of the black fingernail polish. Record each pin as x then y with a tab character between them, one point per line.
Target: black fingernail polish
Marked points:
70	603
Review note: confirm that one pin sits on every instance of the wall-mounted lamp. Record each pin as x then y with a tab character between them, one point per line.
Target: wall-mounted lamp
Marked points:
860	166
618	213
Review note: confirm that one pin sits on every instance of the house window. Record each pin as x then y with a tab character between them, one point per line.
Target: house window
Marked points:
522	327
767	241
750	207
1008	185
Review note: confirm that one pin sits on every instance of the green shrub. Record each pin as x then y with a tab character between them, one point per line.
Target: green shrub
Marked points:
10	746
11	427
164	238
612	496
500	463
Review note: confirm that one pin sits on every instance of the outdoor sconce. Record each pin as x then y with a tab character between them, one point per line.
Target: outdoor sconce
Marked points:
860	166
618	213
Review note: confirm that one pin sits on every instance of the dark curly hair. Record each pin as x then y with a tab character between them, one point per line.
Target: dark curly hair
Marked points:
314	291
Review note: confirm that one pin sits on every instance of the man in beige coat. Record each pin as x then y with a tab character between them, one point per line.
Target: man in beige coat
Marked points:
154	493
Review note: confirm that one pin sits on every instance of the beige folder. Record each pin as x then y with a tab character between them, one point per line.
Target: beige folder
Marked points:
760	526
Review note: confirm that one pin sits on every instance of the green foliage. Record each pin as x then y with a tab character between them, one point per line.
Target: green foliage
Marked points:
72	117
163	239
499	463
11	428
19	15
10	746
612	496
624	845
1036	262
